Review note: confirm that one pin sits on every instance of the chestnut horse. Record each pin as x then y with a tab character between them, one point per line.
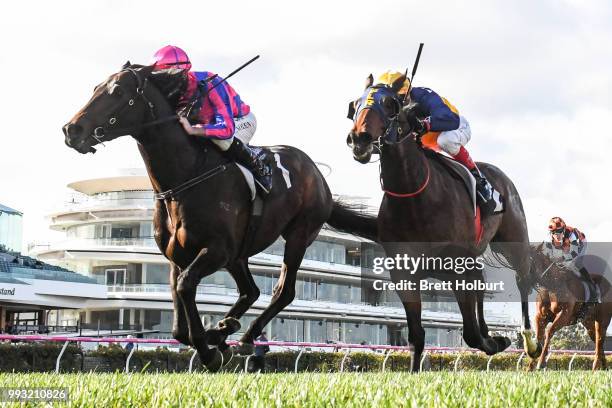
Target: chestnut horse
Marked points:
203	204
425	203
560	301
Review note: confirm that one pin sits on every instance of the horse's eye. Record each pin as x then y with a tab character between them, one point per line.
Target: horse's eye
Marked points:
115	89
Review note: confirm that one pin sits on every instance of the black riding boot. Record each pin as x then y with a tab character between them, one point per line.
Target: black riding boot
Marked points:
594	296
253	160
484	192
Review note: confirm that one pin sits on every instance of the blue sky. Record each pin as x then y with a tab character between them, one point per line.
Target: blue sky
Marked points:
532	77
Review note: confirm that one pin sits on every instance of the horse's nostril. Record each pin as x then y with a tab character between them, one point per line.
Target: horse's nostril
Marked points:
72	130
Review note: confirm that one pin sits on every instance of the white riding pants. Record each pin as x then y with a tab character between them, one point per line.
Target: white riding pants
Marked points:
452	140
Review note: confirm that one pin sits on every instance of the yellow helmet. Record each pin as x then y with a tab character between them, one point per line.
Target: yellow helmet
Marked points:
388	77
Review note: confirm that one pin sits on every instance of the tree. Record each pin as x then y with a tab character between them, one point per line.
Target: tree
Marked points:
572	338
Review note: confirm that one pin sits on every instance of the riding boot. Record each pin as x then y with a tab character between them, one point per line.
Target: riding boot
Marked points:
484	190
255	161
594	295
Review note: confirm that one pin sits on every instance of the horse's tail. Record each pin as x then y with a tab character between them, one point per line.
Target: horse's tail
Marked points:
353	219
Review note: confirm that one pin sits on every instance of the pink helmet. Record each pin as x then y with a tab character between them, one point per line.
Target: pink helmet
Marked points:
171	57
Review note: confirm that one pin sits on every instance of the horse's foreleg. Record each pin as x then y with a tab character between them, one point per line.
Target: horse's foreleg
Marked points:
180	329
561	319
205	263
283	293
601	326
467	301
540	325
248	294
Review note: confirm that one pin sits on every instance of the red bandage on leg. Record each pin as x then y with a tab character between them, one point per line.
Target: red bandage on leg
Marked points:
464	158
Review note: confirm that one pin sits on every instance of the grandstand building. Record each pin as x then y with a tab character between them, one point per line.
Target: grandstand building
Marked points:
32	293
10	228
108	238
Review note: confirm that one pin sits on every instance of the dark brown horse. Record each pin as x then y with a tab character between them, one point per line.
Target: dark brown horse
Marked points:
203	204
560	301
425	203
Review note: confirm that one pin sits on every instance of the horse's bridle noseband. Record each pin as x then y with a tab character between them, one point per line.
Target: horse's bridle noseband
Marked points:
100	132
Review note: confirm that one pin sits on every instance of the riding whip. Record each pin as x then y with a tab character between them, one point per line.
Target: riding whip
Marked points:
230	74
414	69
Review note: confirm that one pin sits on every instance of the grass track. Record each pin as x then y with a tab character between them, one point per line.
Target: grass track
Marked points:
495	389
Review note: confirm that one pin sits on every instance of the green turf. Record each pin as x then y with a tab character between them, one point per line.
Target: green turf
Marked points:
495	389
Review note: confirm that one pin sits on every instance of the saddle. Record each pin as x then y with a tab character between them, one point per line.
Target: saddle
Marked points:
462	173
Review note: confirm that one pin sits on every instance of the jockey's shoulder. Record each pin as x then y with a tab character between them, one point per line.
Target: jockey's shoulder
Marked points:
573	231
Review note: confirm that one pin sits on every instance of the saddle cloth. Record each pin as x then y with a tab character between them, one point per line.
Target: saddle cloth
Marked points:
250	179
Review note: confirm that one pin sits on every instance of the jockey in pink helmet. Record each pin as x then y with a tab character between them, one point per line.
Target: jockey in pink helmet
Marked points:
218	113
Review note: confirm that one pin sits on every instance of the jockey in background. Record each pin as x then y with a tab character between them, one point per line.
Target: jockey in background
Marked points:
218	113
440	124
572	244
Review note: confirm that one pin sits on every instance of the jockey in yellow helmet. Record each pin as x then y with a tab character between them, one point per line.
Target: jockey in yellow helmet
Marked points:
441	125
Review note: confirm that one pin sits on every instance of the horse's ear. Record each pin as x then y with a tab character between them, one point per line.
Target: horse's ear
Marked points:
146	70
127	64
369	81
540	247
398	84
351	110
391	106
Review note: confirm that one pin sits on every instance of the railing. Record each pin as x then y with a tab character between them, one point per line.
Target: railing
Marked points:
42	328
300	345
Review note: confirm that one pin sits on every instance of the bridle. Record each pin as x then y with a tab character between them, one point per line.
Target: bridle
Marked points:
100	132
391	131
103	133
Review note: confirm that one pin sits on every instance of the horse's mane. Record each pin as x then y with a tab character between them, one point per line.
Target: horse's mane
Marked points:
556	273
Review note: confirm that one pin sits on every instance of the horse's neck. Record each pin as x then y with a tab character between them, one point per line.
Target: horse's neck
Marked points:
172	157
403	167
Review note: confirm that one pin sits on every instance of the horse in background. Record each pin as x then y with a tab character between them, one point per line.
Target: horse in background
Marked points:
560	302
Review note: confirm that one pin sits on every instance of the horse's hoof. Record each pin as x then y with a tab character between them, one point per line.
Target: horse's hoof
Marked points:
537	352
502	343
214	337
213	360
227	353
229	325
245	349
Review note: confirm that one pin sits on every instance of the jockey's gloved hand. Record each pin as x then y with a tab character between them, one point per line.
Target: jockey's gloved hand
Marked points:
422	126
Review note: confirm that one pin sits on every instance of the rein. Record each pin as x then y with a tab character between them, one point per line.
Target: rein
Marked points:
100	132
173	192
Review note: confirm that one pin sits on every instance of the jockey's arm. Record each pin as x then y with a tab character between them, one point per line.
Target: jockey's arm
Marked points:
222	124
440	116
577	243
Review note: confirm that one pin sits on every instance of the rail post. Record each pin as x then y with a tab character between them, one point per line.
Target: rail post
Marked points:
489	362
195	353
538	367
297	359
59	357
246	363
127	361
423	360
384	364
457	362
344	360
518	363
569	368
